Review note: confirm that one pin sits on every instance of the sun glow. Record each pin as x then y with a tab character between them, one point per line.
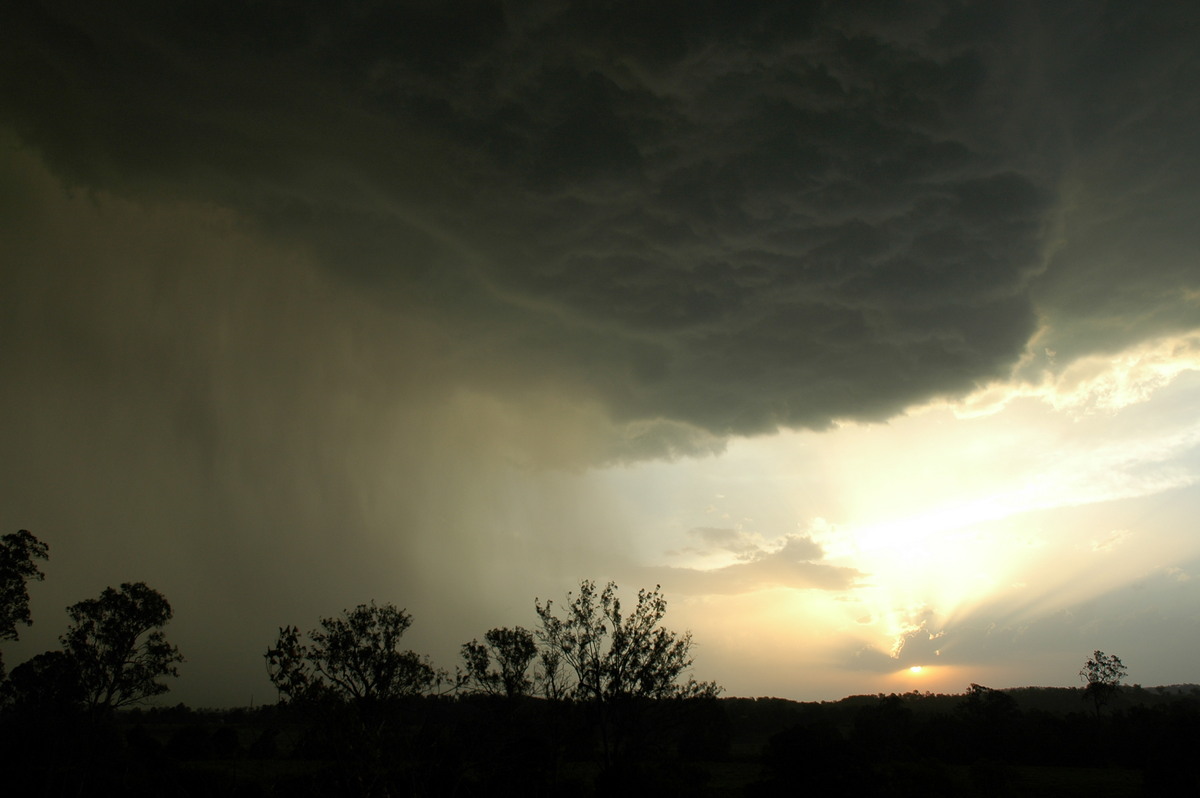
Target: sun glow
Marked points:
964	522
948	526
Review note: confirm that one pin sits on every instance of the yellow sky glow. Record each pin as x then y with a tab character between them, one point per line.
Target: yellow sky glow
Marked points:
945	511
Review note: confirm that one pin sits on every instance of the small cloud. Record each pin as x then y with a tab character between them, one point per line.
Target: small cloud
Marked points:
870	658
1178	574
1114	539
738	542
920	641
793	563
917	643
915	647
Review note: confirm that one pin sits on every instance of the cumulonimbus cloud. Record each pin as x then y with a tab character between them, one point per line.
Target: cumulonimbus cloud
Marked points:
710	221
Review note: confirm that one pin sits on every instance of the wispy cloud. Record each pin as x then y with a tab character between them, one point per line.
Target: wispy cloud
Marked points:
792	562
1109	543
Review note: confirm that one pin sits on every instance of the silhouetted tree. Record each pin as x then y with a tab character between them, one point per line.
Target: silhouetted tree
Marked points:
48	685
883	730
350	678
618	663
614	656
354	657
1103	674
549	678
986	732
119	647
513	650
18	551
814	754
988	705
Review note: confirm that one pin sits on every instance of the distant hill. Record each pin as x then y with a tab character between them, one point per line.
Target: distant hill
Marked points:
758	718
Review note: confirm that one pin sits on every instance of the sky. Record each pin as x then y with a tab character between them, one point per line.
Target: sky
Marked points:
870	331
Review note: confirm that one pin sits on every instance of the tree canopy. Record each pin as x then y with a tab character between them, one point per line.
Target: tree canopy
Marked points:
48	684
612	655
513	650
18	552
354	656
1103	674
118	644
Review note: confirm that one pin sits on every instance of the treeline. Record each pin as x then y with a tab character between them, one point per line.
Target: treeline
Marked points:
596	693
984	743
893	745
596	700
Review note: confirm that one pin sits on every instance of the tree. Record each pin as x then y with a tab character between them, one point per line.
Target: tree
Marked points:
48	686
620	664
118	644
287	665
990	719
513	650
354	657
987	704
1103	674
615	656
17	554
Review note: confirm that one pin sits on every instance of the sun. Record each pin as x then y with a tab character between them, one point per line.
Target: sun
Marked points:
915	670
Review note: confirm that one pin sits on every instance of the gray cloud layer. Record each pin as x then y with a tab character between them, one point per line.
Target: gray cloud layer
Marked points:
733	217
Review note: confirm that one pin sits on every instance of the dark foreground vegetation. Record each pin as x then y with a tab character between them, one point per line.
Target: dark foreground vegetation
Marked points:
1035	741
596	701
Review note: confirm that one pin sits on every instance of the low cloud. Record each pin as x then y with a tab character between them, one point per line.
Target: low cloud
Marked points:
1109	543
917	647
795	562
738	542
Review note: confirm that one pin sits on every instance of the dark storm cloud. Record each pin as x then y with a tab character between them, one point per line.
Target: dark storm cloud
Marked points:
1124	267
728	216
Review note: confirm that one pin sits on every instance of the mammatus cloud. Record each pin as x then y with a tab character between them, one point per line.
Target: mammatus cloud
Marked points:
793	562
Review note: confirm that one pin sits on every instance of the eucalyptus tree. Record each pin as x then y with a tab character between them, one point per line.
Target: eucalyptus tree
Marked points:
1103	674
18	552
620	664
612	655
118	645
512	650
352	657
347	677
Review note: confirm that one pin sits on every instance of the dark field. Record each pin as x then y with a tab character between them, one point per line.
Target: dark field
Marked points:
1026	742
